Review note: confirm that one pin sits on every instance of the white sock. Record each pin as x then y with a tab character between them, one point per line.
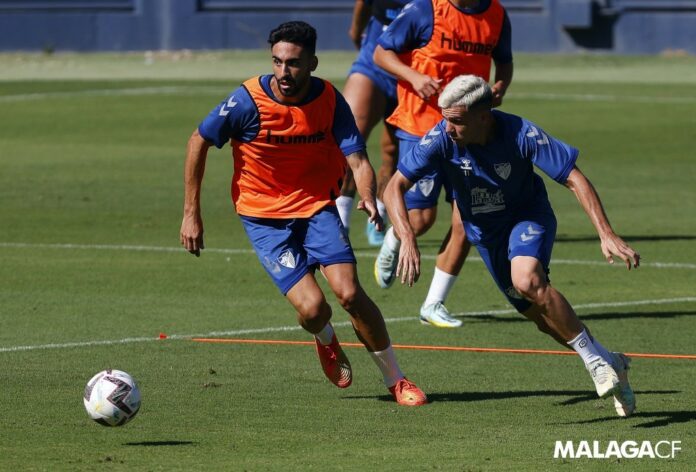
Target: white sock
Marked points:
440	287
603	353
382	211
390	240
344	205
584	346
386	361
325	336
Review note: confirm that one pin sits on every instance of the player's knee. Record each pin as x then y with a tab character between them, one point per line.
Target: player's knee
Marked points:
530	286
313	310
347	296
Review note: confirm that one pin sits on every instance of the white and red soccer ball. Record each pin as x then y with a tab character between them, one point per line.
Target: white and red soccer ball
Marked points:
112	398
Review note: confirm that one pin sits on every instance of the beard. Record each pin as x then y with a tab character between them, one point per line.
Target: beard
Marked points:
287	86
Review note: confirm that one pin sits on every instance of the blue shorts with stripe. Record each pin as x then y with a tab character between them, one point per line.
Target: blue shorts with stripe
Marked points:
289	248
532	235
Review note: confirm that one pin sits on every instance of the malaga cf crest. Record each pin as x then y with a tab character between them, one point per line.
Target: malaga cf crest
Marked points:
503	170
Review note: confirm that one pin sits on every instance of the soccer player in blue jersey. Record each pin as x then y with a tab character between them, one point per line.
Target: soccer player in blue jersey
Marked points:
292	136
426	46
371	94
489	158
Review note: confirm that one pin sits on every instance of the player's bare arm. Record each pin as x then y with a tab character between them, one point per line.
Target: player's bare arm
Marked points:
612	245
191	234
361	15
503	79
424	85
409	255
365	182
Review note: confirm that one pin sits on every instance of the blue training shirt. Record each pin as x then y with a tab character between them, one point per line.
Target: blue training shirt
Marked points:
413	28
495	184
237	118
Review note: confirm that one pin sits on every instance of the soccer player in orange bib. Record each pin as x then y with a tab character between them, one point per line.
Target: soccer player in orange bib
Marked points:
426	46
292	135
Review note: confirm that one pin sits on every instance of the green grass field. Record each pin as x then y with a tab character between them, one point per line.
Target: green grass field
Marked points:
91	155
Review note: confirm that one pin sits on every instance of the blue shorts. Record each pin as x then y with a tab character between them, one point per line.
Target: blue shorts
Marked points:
289	248
426	192
365	65
531	236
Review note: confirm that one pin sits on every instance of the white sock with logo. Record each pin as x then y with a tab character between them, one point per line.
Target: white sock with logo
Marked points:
440	287
325	336
584	346
390	240
386	361
344	205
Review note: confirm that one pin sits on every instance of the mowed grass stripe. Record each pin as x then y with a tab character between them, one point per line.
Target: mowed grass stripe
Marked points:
363	254
239	332
206	89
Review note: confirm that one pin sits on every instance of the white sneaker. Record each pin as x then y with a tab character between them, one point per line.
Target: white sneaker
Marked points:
385	266
624	399
437	315
604	376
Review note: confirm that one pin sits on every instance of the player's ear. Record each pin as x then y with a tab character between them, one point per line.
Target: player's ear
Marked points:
314	63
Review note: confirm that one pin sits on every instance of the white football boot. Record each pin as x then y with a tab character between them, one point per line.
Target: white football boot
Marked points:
437	315
624	399
604	377
385	266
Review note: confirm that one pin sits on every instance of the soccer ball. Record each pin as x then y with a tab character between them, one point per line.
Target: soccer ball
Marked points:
112	398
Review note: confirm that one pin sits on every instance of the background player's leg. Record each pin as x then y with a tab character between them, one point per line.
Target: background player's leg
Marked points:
453	251
367	103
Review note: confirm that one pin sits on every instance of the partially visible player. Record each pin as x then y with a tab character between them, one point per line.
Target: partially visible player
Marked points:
430	43
489	158
291	136
371	94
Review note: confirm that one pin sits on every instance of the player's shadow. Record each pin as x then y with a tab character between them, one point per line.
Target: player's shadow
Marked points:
655	419
159	443
574	396
592	316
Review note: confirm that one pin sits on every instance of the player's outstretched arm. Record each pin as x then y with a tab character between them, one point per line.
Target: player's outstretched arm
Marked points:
612	244
191	233
409	255
365	182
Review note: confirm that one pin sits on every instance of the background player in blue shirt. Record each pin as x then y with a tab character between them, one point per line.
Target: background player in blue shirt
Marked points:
489	157
371	94
414	49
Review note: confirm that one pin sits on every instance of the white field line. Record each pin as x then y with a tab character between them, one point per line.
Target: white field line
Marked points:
362	254
240	332
116	92
194	89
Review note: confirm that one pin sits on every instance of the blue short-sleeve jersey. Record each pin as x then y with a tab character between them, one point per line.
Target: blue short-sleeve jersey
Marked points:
413	29
494	184
237	118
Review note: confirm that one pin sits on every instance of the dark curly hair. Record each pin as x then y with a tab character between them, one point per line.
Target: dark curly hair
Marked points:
295	32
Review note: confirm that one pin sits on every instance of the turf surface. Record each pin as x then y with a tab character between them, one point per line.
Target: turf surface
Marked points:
91	192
